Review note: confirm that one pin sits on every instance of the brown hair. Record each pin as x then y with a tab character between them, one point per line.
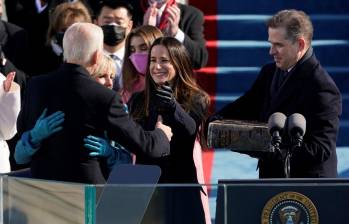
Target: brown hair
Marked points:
297	23
64	14
149	34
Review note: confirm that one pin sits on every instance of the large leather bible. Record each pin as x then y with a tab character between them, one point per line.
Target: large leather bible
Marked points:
238	135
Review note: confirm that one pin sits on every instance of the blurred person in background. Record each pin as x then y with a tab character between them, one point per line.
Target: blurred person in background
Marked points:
115	19
10	104
138	43
183	22
63	16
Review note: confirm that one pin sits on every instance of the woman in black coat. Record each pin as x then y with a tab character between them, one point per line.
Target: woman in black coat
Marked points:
171	94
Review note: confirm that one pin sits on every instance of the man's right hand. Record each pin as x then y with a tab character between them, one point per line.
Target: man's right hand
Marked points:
150	15
166	129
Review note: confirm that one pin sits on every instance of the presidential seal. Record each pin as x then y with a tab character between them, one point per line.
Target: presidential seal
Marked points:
289	208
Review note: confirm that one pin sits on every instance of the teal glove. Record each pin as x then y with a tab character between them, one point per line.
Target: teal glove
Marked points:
30	140
46	126
98	146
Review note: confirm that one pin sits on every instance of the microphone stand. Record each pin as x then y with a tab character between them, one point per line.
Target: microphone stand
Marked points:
296	142
287	162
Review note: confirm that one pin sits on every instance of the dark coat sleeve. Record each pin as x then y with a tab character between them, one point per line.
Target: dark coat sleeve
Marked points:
250	104
180	121
323	108
129	134
192	25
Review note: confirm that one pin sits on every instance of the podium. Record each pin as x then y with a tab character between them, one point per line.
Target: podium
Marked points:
281	201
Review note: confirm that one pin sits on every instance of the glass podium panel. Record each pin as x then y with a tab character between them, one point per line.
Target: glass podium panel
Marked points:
152	204
34	201
29	201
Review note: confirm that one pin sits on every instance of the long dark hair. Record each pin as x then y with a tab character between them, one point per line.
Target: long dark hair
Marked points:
186	91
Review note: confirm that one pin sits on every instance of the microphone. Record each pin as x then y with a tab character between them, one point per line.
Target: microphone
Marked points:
276	124
296	124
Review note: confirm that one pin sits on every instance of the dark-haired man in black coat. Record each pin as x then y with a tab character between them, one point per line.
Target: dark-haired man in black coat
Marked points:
89	108
295	83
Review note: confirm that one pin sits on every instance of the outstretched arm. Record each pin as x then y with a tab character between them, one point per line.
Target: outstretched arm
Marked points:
30	141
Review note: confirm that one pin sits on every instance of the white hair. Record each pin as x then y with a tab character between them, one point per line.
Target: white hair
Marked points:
81	41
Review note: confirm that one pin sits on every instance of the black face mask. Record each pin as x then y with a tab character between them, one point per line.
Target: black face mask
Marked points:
59	38
113	35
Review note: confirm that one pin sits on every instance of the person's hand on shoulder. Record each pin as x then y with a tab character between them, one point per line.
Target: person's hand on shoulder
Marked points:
97	146
46	126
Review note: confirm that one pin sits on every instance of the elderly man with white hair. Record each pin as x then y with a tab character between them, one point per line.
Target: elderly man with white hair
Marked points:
89	108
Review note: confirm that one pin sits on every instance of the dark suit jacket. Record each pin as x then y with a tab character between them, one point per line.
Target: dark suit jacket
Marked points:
14	43
24	14
192	25
89	108
309	91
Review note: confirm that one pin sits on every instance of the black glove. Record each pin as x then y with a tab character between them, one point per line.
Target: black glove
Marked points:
164	99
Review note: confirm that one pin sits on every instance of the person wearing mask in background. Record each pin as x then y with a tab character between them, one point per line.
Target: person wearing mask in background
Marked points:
172	93
138	43
10	104
63	15
295	83
46	126
14	45
184	22
33	16
115	19
86	112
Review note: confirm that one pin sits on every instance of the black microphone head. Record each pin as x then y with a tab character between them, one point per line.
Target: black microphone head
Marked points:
276	122
296	123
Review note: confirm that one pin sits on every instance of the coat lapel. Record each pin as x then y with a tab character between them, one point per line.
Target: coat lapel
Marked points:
293	84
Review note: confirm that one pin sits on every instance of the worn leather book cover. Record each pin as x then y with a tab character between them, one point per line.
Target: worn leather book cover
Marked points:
239	135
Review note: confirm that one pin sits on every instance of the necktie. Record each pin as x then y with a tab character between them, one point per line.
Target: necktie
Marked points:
282	77
117	80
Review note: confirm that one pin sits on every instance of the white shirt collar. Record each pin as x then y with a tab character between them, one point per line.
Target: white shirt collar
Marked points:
119	53
161	10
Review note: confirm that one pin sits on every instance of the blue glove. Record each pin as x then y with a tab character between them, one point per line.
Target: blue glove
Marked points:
46	126
98	146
